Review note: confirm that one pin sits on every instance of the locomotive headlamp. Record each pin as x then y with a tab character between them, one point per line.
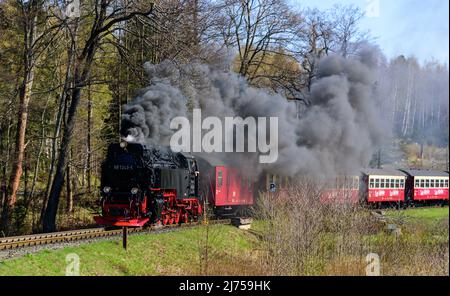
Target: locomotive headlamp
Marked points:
106	189
123	144
134	190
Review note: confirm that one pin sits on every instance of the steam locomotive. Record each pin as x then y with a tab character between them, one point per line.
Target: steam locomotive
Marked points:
141	184
153	185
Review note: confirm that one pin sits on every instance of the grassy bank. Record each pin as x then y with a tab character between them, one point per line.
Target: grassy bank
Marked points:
187	252
313	242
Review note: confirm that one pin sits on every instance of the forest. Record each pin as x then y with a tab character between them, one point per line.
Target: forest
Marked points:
65	75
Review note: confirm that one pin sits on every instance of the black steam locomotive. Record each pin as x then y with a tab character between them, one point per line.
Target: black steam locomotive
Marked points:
142	184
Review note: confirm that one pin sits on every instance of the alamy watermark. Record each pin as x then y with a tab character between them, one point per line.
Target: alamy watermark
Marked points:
262	135
373	264
73	264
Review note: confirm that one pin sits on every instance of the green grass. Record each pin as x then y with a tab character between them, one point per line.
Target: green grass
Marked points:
176	252
435	213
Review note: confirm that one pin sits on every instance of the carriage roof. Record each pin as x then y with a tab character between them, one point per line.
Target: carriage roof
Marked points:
424	173
383	172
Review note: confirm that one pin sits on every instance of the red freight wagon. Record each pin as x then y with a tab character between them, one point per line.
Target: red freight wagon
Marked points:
426	185
226	189
383	185
341	189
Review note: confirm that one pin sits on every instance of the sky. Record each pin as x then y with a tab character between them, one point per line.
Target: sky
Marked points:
410	27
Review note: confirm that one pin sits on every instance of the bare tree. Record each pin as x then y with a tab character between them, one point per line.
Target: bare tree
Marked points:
255	29
347	36
324	32
314	38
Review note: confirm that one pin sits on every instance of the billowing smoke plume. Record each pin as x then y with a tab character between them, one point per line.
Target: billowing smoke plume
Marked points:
337	133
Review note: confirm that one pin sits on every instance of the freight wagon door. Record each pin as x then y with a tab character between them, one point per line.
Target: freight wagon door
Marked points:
221	186
233	187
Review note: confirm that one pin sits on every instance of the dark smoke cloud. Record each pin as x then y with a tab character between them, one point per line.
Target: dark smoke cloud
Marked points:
337	134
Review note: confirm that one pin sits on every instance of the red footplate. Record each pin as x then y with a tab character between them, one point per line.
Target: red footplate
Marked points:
135	222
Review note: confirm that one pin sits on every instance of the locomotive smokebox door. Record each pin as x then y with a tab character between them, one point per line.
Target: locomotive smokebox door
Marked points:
272	187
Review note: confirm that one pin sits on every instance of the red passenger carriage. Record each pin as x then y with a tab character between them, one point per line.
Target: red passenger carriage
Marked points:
341	189
383	186
426	185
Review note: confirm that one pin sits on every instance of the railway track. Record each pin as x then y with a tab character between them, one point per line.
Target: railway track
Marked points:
16	242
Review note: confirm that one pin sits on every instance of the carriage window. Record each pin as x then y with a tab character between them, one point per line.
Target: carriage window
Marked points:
427	183
377	183
372	183
219	178
442	184
432	183
402	183
446	183
422	183
381	183
416	184
397	183
392	183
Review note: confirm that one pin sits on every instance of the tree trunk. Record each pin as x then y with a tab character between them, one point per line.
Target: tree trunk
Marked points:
63	98
58	180
81	74
22	118
89	148
69	194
